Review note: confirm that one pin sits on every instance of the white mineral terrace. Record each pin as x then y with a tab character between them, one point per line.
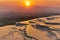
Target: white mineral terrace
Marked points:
35	29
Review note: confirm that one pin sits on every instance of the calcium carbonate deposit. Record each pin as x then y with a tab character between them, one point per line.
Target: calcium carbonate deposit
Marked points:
45	28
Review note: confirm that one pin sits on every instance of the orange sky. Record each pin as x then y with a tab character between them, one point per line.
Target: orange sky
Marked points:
34	2
38	6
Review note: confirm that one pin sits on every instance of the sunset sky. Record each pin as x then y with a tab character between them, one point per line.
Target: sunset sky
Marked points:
33	7
34	2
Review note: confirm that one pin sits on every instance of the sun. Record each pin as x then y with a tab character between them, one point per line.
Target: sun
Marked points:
27	3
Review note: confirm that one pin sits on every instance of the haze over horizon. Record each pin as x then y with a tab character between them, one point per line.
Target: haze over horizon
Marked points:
16	8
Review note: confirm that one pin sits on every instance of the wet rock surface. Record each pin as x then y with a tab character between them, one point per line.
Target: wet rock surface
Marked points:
45	28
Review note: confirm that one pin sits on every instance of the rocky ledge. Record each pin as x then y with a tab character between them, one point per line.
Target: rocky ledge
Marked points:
45	28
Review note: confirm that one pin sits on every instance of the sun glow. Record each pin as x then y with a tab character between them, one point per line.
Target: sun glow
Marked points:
27	3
